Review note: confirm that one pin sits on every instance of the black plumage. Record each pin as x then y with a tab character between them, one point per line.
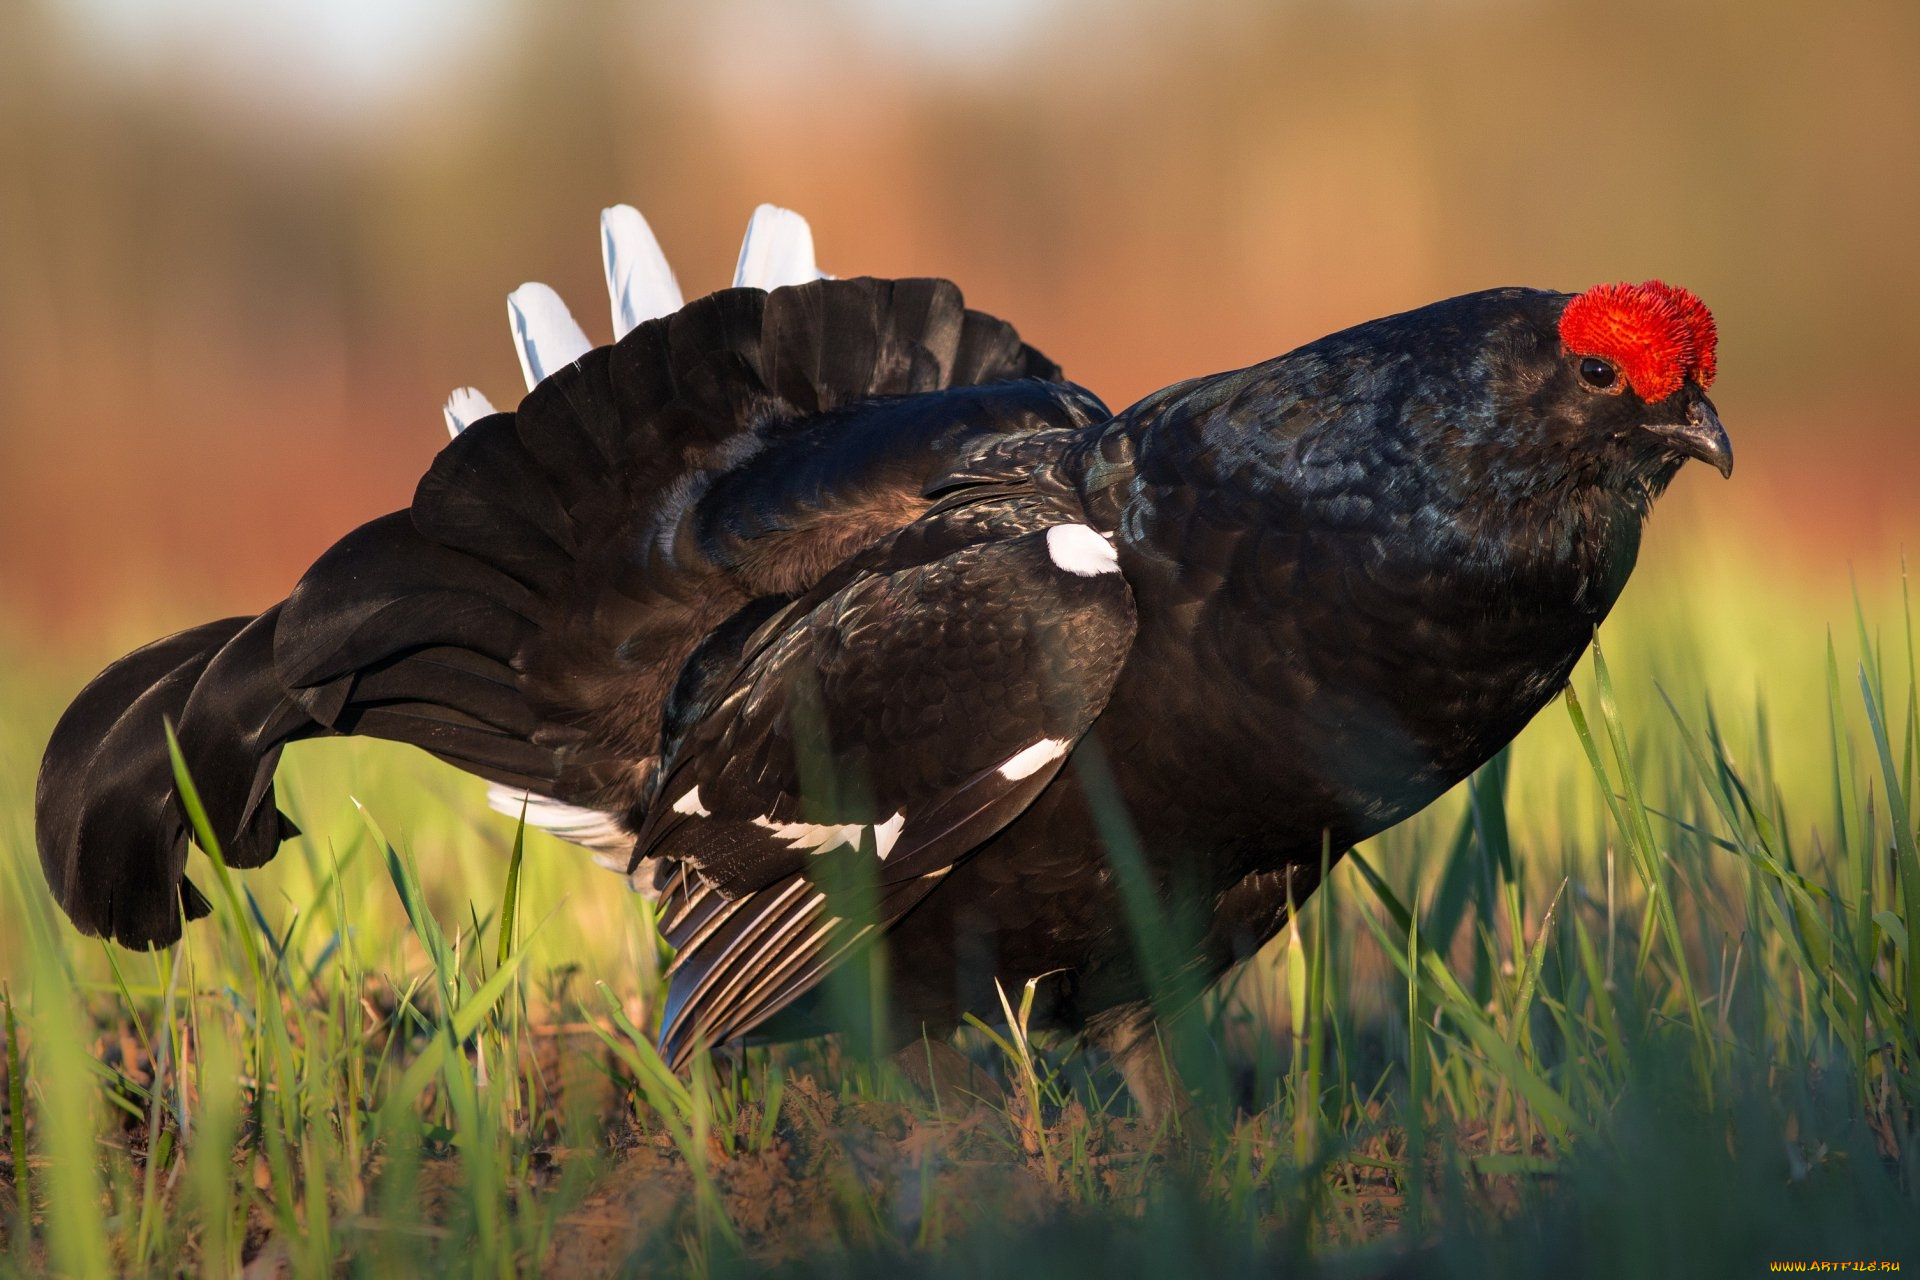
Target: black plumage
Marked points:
844	580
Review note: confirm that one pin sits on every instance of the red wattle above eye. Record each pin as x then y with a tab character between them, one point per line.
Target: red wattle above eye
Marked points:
1658	335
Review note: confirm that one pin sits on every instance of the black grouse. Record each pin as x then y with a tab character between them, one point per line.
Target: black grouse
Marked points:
839	583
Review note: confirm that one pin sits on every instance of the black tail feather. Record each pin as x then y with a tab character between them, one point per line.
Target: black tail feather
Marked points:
112	837
231	730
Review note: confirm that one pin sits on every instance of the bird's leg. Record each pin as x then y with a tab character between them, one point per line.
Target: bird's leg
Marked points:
1132	1040
948	1077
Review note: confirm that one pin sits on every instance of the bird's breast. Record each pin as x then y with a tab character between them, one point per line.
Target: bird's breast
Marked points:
1296	682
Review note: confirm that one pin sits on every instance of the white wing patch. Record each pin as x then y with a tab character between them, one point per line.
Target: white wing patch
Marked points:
887	834
640	284
1030	760
690	803
465	407
778	250
822	837
816	836
545	335
1081	550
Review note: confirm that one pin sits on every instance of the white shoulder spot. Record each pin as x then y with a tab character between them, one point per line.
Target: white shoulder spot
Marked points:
690	804
1030	760
1081	550
887	834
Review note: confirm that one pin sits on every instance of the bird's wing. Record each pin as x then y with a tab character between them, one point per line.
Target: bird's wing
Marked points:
866	739
526	618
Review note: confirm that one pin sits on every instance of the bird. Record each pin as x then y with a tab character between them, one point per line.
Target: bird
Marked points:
833	617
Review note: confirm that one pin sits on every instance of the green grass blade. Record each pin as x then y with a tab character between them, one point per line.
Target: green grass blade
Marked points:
1906	852
17	1130
511	898
1530	977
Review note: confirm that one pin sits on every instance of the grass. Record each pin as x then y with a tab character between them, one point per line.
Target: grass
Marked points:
1639	1000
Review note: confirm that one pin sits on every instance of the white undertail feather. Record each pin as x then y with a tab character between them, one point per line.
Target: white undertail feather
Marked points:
590	828
778	250
640	284
545	335
465	407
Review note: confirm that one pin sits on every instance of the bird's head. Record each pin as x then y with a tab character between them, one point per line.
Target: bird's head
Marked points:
1629	377
1519	401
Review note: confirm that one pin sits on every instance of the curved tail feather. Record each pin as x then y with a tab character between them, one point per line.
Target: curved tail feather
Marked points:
112	836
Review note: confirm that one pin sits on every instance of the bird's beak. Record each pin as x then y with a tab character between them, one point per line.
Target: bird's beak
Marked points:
1700	436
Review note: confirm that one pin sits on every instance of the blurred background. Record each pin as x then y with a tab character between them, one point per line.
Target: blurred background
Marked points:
247	247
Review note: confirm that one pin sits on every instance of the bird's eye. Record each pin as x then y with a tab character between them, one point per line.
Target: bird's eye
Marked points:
1598	373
